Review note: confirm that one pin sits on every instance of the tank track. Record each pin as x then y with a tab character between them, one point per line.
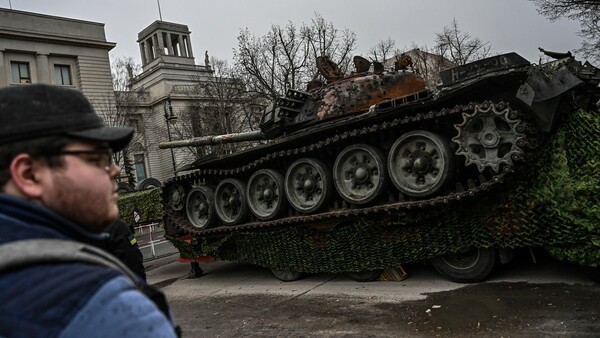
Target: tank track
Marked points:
463	190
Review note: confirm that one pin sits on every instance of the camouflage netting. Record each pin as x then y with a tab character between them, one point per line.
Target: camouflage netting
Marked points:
555	204
146	203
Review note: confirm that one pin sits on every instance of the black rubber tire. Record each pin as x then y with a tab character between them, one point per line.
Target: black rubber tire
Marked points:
287	276
124	187
365	276
469	266
148	183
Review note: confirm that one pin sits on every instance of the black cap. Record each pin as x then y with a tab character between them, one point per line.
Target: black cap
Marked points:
38	110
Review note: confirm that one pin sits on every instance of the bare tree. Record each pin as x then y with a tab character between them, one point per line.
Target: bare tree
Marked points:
285	57
118	108
324	39
587	12
383	50
220	104
460	47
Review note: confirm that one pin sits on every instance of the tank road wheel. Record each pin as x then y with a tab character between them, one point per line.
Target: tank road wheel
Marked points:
308	185
230	201
488	137
359	173
287	276
176	196
469	265
420	163
266	196
200	207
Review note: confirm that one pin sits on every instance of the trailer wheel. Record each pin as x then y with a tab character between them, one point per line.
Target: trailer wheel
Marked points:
365	276
469	265
287	276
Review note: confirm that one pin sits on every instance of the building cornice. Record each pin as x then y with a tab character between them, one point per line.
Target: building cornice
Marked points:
164	26
36	37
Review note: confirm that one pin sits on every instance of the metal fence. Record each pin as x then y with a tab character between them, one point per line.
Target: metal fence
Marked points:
151	240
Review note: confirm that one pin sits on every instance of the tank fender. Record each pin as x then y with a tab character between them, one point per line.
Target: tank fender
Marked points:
543	93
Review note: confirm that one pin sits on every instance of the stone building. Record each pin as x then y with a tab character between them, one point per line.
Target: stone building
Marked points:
37	48
169	73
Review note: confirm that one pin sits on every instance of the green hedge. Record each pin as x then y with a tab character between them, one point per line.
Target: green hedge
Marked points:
145	202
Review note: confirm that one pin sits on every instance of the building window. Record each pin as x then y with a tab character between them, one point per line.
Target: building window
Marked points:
135	124
62	75
140	167
20	72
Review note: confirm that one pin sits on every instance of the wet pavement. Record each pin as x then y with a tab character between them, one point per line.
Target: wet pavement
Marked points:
520	300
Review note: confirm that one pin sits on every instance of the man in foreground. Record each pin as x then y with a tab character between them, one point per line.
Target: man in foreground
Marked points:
57	181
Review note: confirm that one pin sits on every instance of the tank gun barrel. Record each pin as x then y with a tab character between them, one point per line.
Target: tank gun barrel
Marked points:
255	135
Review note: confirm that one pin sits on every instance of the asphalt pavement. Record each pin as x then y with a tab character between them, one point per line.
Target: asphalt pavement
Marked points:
521	299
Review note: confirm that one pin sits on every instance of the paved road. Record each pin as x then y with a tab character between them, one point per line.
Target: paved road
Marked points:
161	248
521	299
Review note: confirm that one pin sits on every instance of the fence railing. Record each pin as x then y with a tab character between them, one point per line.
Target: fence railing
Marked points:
151	235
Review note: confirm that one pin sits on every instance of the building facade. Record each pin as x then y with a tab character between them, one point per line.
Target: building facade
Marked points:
37	48
169	74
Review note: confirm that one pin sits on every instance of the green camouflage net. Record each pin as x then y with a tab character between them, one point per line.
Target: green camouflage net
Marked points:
553	204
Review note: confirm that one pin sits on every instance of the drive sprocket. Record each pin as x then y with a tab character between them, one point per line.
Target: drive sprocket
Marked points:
488	136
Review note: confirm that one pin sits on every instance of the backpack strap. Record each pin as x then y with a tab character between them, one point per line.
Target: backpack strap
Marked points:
23	253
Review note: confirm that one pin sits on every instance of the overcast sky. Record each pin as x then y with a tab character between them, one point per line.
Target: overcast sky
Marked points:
509	25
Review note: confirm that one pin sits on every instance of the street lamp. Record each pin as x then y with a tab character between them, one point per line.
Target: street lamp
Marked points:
170	118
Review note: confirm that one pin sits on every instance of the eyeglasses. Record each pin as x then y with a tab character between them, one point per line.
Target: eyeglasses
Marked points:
102	158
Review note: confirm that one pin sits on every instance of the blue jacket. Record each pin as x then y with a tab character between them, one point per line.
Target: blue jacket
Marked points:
68	299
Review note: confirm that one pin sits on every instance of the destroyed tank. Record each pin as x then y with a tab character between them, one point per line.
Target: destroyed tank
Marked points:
376	140
377	143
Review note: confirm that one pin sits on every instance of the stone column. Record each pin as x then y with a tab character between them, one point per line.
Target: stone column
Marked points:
148	48
143	54
189	46
5	78
181	46
156	50
161	43
169	44
43	72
